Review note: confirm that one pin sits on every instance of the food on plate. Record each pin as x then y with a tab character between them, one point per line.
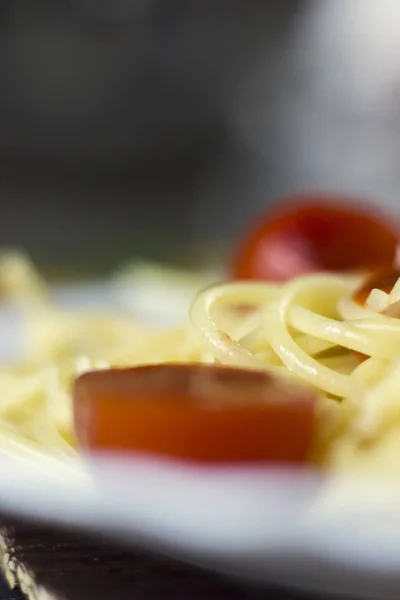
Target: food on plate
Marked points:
315	233
197	412
261	370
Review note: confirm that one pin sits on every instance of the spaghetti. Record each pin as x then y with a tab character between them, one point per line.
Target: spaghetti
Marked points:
309	329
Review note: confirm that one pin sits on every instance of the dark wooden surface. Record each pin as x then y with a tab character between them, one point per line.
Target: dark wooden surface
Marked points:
6	593
51	564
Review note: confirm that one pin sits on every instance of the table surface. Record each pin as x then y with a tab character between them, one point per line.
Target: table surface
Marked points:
54	565
7	594
270	593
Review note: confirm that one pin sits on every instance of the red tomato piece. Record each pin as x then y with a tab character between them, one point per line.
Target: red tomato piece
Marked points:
201	413
315	233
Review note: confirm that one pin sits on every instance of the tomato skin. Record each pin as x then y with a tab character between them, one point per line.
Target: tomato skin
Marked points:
199	413
313	233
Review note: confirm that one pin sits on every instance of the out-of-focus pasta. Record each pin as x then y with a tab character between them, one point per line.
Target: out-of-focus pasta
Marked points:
59	344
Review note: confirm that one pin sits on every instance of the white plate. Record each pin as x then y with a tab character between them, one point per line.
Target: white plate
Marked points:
333	535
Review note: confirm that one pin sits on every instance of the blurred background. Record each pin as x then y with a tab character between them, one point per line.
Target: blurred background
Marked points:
141	126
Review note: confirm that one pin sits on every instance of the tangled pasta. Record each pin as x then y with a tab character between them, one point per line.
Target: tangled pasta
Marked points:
308	329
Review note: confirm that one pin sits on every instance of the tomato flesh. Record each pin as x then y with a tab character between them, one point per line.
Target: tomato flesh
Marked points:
203	413
314	233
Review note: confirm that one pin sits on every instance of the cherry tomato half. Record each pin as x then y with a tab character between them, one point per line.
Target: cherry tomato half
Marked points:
194	412
314	233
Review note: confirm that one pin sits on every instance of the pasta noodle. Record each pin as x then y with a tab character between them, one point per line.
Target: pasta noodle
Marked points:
307	329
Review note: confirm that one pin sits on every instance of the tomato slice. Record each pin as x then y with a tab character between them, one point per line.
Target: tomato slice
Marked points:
194	412
315	233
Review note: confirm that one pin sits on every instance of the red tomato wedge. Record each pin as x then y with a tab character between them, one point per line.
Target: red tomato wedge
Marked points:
315	233
200	413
